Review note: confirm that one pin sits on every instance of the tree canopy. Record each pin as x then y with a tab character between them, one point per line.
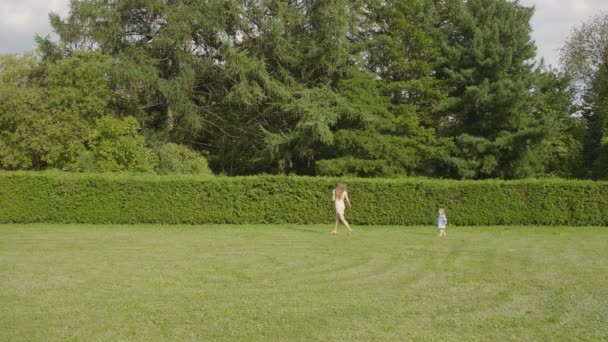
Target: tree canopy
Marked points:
585	58
380	88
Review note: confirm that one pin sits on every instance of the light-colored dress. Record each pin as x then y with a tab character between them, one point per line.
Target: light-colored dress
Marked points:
339	202
442	221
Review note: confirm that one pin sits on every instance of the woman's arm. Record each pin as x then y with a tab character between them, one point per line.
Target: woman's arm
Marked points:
333	195
346	199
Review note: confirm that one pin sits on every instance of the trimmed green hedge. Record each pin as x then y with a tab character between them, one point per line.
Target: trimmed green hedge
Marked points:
101	198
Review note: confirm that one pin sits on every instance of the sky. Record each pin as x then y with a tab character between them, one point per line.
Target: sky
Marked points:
552	23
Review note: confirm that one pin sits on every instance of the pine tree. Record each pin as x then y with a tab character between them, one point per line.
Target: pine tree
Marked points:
489	71
395	89
252	82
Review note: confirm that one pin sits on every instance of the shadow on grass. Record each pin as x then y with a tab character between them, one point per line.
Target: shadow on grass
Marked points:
324	232
300	229
416	233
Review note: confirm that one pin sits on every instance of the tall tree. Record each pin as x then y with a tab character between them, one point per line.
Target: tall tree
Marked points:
554	105
395	87
177	66
585	58
252	82
489	71
306	47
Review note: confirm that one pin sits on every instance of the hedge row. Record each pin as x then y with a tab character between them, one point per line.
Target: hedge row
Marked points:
54	197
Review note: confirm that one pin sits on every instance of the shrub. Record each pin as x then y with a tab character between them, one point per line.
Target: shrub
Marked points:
115	198
174	158
116	145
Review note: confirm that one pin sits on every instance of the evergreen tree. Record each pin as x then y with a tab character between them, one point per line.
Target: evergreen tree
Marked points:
332	87
489	71
306	49
177	66
252	82
395	89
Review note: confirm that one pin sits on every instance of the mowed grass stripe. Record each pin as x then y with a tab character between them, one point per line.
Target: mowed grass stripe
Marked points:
290	282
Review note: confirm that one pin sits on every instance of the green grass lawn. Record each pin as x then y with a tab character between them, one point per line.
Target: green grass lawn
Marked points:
289	282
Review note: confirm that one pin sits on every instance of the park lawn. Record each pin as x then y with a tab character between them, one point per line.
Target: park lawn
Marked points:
297	283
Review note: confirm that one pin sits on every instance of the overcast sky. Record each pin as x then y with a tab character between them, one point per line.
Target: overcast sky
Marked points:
553	20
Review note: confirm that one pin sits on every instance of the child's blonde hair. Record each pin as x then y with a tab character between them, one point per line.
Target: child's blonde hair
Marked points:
441	211
340	190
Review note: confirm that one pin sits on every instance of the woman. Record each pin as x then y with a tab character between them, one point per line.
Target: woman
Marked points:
340	196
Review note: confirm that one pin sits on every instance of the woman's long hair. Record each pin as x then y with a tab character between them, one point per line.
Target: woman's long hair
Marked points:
340	190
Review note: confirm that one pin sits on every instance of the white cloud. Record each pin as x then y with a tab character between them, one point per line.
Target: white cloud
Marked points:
554	20
21	20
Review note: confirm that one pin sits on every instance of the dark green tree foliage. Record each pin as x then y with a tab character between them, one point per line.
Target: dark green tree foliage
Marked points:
306	48
251	81
326	87
176	65
489	71
397	93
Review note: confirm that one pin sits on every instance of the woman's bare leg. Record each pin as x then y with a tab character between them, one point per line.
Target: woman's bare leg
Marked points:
335	231
345	223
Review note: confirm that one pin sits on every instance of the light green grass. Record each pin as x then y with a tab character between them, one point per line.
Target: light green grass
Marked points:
296	283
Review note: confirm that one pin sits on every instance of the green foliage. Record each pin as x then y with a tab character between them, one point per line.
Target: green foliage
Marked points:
50	108
372	154
353	167
174	158
21	103
597	125
585	58
306	49
114	198
489	108
57	116
553	105
585	52
404	47
600	166
312	87
393	131
205	74
115	145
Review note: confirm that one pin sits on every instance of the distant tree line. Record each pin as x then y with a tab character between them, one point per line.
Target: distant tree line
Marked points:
375	88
